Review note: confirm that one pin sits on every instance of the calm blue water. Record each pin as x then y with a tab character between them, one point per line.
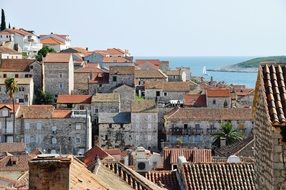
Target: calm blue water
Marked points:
197	63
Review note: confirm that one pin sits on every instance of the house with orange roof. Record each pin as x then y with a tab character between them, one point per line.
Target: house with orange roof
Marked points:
196	126
54	130
58	73
9	53
146	64
78	102
218	97
22	40
56	41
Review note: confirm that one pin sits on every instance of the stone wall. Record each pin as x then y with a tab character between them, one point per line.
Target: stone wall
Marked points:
115	135
127	95
121	79
218	102
145	130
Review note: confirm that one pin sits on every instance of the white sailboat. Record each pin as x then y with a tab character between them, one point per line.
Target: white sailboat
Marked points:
205	70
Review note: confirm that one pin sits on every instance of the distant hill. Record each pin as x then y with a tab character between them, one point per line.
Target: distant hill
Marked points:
254	63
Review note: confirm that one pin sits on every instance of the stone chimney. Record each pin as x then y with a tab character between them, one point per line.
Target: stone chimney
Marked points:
49	172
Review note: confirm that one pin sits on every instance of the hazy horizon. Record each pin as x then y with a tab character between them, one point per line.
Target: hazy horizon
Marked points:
160	28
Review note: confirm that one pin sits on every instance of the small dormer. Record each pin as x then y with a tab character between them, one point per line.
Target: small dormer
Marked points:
5	111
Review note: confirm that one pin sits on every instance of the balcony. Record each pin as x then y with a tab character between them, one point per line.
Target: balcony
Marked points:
79	113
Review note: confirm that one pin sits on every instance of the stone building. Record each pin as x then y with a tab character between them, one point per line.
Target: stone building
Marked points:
55	131
105	103
22	68
166	91
218	98
269	127
25	93
144	123
77	102
114	130
195	126
176	75
119	75
127	94
6	124
152	63
58	73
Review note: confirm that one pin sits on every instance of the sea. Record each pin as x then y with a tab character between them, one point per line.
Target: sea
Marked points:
197	64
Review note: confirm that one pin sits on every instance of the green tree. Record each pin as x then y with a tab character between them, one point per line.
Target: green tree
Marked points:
43	52
44	98
11	89
229	133
3	22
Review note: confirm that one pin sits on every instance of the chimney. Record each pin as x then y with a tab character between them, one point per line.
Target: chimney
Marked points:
222	141
49	172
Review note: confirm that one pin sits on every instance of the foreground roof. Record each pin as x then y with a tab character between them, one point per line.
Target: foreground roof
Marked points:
218	176
165	179
209	114
271	78
12	147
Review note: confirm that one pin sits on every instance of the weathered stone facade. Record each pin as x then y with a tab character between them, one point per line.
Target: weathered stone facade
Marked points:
127	95
218	102
58	77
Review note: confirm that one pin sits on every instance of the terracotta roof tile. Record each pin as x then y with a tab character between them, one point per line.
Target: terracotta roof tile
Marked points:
273	83
60	114
195	100
164	179
155	62
209	114
15	65
12	147
170	155
20	163
9	106
143	106
105	97
74	99
36	111
122	70
151	73
57	58
51	41
91	155
218	92
8	50
89	68
19	31
168	86
218	176
116	60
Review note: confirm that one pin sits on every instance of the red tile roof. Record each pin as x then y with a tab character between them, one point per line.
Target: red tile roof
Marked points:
218	92
111	52
74	99
8	50
89	68
60	114
151	73
168	86
57	58
209	114
164	179
36	111
51	41
195	100
121	70
155	62
99	78
116	60
9	106
21	163
12	147
170	155
91	155
19	31
15	65
218	176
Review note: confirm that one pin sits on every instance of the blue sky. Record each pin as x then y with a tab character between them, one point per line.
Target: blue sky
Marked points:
160	27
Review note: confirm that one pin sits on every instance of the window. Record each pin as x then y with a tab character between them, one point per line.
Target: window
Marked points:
149	118
21	88
61	86
157	93
78	126
77	139
114	78
54	129
214	101
185	126
21	100
149	126
27	126
137	137
16	76
95	110
149	138
9	139
81	107
5	113
26	76
53	151
31	66
27	138
54	140
39	126
4	75
165	94
9	128
61	75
